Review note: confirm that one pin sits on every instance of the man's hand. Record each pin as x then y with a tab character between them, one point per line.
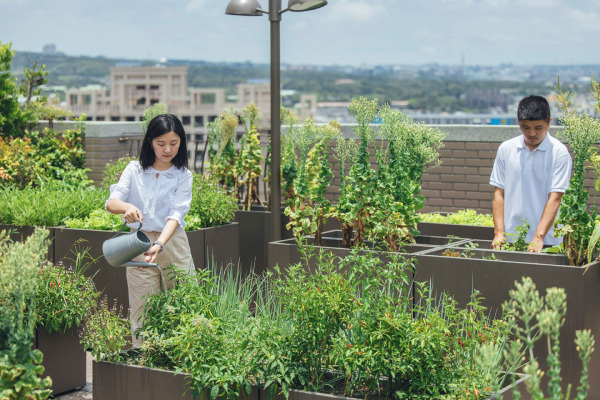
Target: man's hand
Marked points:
498	241
535	246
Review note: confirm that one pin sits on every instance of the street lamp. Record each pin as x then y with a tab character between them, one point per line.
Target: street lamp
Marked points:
253	8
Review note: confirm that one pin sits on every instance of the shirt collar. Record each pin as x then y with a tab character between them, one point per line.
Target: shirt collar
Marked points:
545	145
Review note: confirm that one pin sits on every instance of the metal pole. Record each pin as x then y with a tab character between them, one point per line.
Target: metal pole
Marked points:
275	18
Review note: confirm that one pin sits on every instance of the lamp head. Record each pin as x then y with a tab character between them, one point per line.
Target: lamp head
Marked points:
305	5
244	7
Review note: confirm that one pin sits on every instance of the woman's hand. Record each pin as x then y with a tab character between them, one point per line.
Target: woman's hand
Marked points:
132	214
152	253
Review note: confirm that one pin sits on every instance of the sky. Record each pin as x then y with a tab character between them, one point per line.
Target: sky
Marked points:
344	32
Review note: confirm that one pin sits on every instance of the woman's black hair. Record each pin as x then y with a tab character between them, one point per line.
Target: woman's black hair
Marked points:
158	126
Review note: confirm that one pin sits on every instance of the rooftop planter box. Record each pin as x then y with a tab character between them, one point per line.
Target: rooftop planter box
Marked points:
218	243
457	276
462	231
64	359
20	233
113	381
286	252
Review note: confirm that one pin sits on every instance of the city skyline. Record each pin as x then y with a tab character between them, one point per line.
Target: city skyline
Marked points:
345	32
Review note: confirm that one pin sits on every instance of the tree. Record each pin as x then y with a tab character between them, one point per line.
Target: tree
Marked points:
12	118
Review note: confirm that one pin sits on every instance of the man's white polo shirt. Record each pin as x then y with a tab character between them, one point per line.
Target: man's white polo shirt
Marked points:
528	177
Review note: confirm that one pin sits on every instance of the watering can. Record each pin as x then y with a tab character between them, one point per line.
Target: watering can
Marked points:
120	250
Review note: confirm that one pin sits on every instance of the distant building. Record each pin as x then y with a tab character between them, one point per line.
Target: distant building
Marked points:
134	88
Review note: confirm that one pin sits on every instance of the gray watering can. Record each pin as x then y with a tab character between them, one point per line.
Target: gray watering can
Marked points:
120	250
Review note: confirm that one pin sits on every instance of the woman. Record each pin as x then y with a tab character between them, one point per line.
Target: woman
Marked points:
156	193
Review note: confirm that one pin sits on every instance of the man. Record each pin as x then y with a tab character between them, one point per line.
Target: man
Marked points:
531	173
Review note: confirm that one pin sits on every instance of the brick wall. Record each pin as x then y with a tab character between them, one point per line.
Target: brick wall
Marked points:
459	182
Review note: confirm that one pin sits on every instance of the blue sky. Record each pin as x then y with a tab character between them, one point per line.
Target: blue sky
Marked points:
345	32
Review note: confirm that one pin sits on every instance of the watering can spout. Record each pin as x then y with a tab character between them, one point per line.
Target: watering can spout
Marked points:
139	264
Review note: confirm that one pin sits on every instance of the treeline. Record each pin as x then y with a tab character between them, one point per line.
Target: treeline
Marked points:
423	93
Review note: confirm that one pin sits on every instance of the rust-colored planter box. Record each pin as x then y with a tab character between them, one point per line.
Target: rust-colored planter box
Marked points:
21	232
221	242
114	381
457	276
64	358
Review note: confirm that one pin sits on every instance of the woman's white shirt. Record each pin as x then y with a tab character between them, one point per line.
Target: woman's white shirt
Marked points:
160	195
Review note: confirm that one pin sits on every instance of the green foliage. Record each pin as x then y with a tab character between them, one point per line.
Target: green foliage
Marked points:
381	204
462	217
520	238
113	170
250	158
221	150
212	205
12	119
105	331
150	112
308	208
582	132
50	204
65	295
100	220
539	317
20	369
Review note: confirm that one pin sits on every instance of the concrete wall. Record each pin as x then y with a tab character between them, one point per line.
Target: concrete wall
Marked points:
461	181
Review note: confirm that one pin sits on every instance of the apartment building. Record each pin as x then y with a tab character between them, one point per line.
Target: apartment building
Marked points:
132	89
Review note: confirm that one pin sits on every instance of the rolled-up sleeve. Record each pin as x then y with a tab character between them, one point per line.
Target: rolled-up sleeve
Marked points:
182	200
121	189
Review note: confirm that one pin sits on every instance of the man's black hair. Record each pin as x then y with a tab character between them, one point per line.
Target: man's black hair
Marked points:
533	108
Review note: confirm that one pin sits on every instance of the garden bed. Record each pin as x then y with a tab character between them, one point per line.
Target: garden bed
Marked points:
64	359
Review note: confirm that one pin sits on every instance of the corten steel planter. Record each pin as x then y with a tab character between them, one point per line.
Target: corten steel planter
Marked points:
462	231
22	232
505	392
287	252
64	358
114	381
494	279
221	242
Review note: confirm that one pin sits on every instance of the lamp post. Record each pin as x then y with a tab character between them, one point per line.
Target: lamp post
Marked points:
253	8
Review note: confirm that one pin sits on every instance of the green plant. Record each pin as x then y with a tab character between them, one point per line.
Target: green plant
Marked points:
309	207
462	217
50	204
222	152
212	204
20	369
113	170
65	295
540	317
12	119
520	242
150	112
250	158
582	132
105	331
100	220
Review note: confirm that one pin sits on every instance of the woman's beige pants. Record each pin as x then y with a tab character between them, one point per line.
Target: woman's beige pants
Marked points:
143	282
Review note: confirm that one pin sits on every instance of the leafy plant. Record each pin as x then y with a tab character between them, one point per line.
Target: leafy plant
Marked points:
581	132
543	317
65	295
20	369
50	204
212	205
100	220
309	207
222	152
12	119
520	242
150	112
462	217
250	159
105	331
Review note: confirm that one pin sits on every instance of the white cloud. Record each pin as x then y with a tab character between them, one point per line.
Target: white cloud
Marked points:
194	5
585	19
355	10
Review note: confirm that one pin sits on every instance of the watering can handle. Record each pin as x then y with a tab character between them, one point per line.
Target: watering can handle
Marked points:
123	226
